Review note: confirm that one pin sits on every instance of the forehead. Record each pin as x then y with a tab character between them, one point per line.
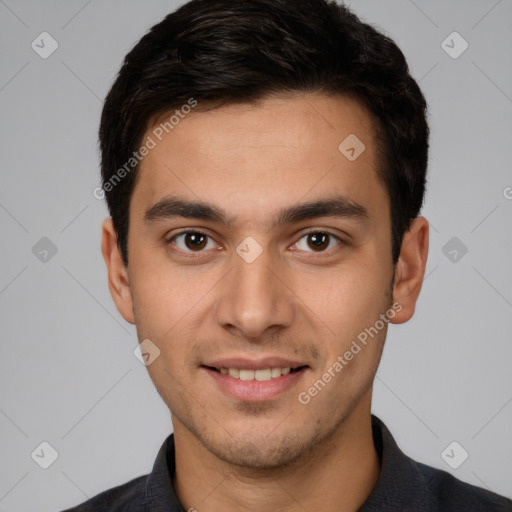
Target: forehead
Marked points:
264	156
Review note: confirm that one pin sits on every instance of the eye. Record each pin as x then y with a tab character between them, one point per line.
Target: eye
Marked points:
317	241
193	241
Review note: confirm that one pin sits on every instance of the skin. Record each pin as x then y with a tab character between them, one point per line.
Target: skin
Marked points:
293	301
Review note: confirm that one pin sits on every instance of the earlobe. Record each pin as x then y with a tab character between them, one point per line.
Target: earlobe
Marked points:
410	269
118	281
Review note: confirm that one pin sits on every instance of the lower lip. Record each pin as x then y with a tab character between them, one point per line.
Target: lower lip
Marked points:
254	390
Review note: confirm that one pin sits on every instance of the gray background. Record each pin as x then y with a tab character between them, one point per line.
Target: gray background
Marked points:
68	373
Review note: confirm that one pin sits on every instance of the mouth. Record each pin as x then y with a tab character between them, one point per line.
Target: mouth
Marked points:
250	381
260	375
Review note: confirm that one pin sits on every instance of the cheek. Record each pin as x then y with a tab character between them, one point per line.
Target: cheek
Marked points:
346	299
165	298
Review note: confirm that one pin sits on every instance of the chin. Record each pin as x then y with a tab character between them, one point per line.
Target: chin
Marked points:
259	452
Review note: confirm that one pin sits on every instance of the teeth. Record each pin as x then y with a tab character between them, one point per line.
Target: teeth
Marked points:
234	372
276	372
246	374
259	375
265	374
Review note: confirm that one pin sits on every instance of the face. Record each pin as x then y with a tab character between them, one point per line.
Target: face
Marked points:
258	255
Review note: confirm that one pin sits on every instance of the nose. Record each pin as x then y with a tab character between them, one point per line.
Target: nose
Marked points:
254	301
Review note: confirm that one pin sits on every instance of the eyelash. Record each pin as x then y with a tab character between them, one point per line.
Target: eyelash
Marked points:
195	254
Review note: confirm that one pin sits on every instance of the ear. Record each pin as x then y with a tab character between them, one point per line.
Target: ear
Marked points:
118	282
410	269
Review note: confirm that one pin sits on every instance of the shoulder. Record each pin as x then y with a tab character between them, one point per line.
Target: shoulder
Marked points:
449	493
154	489
117	498
405	484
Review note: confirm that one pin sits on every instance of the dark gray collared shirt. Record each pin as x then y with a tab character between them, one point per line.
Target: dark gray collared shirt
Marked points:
403	486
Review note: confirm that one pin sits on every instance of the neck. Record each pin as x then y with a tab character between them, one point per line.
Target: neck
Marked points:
336	476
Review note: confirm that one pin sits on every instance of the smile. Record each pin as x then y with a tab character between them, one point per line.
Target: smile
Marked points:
261	375
260	384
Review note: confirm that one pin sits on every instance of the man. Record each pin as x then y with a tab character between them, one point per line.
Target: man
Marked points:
264	164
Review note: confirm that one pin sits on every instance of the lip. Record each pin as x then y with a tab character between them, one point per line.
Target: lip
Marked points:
242	363
253	390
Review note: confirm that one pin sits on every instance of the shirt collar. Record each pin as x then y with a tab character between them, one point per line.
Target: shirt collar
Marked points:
400	486
160	494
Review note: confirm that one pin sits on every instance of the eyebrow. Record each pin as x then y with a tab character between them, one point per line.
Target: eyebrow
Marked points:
339	206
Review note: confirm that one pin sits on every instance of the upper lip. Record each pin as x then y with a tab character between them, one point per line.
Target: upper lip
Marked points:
243	363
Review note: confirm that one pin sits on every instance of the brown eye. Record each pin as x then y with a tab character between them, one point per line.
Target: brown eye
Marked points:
195	241
317	241
192	241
